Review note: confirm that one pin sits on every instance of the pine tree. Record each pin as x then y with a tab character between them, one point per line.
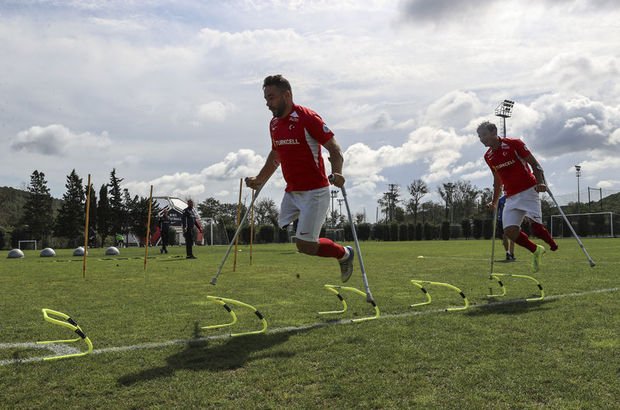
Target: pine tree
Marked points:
103	214
92	216
38	214
70	220
117	210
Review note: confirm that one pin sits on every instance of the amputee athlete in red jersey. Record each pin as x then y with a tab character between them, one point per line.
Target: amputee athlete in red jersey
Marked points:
515	168
297	135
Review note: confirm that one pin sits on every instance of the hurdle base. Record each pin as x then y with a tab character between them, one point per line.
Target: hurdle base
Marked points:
497	276
420	284
336	290
224	302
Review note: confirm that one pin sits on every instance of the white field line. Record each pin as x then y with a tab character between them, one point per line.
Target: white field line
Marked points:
63	349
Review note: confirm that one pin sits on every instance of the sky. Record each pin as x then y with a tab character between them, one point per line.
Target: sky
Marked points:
168	92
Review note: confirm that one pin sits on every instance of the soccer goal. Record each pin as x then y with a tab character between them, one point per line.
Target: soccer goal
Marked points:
594	224
32	242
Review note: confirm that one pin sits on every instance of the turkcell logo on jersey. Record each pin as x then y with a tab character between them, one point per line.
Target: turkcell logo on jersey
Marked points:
326	130
290	141
505	164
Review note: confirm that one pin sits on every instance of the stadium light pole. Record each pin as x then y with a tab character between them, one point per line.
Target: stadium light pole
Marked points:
578	173
504	110
334	194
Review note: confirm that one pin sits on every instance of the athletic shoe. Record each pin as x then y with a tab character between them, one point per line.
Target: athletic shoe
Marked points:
346	266
190	257
510	257
537	258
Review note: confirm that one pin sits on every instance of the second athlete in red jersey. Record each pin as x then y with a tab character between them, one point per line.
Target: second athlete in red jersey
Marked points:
507	161
298	138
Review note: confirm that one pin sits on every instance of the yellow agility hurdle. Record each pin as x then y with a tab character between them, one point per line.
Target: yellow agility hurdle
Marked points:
224	302
496	276
420	284
70	324
336	290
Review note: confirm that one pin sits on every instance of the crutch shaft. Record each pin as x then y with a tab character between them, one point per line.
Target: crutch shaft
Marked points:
232	242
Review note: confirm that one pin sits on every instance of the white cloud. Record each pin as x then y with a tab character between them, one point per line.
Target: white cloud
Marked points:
595	77
572	124
58	140
215	111
454	109
609	184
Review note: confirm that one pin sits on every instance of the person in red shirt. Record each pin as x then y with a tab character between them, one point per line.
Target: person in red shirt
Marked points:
297	135
515	168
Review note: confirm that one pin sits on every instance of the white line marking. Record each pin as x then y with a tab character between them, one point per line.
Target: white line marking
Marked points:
60	349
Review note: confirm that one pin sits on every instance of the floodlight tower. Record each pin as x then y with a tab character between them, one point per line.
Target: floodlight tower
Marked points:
578	173
334	194
504	110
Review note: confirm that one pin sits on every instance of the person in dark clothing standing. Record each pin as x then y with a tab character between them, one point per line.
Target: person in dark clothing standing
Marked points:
189	220
164	229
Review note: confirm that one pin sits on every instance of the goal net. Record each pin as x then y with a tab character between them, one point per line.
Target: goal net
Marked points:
594	224
27	244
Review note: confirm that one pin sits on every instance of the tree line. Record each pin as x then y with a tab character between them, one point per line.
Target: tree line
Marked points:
113	210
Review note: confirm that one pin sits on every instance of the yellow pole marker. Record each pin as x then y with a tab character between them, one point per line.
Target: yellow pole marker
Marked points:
224	302
69	324
336	289
148	231
251	225
86	229
510	275
420	283
238	224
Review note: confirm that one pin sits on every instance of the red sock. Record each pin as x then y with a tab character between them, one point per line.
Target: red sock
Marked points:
542	232
524	241
330	249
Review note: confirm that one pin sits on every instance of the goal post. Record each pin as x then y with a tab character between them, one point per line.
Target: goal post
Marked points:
24	241
593	224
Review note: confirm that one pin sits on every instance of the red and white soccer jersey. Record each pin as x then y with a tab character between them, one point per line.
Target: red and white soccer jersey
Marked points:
297	139
507	161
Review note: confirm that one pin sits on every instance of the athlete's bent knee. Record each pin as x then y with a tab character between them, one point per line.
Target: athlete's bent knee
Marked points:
512	232
309	248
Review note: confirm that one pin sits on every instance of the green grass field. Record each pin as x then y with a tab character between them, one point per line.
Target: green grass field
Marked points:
150	350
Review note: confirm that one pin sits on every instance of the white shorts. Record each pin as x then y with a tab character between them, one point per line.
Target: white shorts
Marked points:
309	207
524	204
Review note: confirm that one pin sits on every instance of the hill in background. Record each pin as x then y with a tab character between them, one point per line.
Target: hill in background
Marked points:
12	203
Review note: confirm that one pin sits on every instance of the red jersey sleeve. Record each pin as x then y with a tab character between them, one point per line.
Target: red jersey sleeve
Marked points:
519	147
317	128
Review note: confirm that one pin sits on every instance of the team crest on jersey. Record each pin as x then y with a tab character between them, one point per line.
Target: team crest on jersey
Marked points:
326	130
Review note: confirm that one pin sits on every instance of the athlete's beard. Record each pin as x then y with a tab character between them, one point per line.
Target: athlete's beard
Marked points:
279	109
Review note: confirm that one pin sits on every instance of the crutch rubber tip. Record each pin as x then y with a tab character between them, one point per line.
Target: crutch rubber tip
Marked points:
213	281
592	264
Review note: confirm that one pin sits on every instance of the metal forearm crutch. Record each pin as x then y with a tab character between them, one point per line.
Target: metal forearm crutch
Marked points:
583	248
369	297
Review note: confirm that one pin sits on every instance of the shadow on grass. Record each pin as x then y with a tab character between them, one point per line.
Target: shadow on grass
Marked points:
509	307
209	355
